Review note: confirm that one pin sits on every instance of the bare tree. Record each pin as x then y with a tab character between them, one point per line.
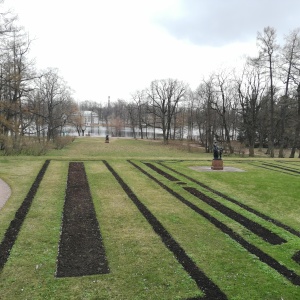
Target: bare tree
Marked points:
16	75
268	46
290	54
223	97
7	22
190	112
250	88
290	71
133	117
119	117
296	142
165	95
205	114
57	97
139	98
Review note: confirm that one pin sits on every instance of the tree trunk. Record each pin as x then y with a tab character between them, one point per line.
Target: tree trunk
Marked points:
297	131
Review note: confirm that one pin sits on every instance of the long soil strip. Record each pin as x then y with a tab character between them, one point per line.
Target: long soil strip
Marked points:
81	251
14	228
281	168
264	257
256	228
244	206
274	169
203	282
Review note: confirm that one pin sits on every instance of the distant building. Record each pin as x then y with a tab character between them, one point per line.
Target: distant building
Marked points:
90	118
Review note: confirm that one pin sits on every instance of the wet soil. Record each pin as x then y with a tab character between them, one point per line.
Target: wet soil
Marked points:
211	290
14	228
242	205
81	249
264	257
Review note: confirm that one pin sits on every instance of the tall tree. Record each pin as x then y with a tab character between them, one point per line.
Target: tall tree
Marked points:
133	118
223	98
190	112
165	95
56	95
206	116
289	59
140	103
268	47
16	75
250	88
290	71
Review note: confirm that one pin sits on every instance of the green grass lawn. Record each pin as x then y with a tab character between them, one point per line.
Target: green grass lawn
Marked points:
141	267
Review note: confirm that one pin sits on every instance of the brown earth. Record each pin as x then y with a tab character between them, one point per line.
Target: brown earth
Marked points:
81	250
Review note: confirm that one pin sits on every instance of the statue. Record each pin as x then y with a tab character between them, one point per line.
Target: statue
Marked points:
217	163
218	151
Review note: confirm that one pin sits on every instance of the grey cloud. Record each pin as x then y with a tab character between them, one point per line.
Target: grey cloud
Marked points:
219	22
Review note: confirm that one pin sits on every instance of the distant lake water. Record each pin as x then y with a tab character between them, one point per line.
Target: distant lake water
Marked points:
102	131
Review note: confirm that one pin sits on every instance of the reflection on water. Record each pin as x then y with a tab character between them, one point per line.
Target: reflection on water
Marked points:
102	131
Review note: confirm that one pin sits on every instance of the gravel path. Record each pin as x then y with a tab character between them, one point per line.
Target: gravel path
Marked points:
208	169
5	192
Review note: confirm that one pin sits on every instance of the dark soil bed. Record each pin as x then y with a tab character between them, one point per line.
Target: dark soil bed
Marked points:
244	206
212	291
296	257
81	251
264	257
256	228
14	228
282	168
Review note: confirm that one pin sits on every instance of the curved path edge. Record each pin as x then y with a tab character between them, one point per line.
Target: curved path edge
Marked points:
5	192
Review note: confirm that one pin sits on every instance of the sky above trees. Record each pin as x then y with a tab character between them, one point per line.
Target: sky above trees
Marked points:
113	48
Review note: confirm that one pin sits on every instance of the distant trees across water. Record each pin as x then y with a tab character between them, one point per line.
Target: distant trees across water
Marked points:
258	105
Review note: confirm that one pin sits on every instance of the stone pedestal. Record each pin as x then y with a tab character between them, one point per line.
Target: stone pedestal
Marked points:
217	164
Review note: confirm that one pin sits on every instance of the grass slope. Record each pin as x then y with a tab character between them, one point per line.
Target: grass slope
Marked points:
140	264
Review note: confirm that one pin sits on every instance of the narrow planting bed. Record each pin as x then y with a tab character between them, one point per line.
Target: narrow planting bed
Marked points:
81	251
264	257
14	228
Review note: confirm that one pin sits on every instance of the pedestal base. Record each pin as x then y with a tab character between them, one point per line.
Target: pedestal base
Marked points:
217	164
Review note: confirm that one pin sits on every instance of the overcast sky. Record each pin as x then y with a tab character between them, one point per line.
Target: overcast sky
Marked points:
114	47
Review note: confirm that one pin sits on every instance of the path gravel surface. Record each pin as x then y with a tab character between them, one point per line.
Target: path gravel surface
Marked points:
5	192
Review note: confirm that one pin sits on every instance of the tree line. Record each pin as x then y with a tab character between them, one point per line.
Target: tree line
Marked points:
258	105
32	102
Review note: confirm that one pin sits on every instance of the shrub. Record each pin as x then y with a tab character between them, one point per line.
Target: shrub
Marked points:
31	145
62	141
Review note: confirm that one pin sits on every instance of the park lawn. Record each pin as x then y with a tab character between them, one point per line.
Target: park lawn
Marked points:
218	255
123	148
273	192
141	267
19	174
